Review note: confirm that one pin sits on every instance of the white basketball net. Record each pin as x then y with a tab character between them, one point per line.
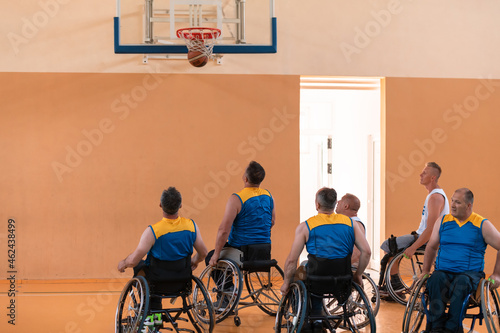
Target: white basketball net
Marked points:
199	39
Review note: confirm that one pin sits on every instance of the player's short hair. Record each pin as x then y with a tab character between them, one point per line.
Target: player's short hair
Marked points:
255	173
468	195
171	200
435	166
327	198
353	201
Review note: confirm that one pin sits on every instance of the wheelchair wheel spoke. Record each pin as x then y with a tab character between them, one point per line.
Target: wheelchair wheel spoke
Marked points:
264	288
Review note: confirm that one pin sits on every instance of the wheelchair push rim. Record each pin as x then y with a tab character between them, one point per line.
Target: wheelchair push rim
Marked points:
490	307
215	279
133	306
292	309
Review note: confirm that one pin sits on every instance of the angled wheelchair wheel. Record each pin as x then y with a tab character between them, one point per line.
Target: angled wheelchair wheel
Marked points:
201	311
133	306
490	307
415	312
264	288
292	309
223	284
372	293
357	312
400	285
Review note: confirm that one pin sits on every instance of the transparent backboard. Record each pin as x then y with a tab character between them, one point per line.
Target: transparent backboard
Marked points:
150	26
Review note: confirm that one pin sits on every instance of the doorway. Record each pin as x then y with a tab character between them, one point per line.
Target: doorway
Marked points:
340	125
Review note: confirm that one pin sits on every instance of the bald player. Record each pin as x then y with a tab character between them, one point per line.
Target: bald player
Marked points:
349	206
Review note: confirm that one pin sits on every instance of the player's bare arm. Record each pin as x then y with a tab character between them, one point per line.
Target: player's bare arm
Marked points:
435	207
301	237
145	244
233	207
492	237
201	250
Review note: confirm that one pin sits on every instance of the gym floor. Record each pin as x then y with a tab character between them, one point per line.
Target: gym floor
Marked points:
69	307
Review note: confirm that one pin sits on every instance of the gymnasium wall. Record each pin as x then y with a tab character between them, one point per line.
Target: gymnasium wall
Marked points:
85	158
453	122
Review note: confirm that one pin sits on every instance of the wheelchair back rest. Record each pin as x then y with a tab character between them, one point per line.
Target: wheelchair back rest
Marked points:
329	276
257	258
170	277
338	286
393	245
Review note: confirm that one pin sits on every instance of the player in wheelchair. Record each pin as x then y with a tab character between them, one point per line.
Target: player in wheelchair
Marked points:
330	284
401	266
462	238
243	252
166	274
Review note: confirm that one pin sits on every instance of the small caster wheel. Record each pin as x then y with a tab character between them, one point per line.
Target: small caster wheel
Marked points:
237	321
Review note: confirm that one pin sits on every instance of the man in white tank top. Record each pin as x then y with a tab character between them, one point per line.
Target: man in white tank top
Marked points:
436	205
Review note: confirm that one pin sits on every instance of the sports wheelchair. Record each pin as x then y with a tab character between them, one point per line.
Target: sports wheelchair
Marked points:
400	285
172	281
262	275
328	297
485	299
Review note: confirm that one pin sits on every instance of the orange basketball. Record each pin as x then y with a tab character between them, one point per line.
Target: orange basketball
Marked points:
197	58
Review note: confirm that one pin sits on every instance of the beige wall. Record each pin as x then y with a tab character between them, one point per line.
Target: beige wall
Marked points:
451	122
85	158
397	38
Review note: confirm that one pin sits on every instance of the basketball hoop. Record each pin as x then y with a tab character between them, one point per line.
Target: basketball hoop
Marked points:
199	39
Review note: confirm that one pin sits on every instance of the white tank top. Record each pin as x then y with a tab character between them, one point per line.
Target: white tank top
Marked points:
425	211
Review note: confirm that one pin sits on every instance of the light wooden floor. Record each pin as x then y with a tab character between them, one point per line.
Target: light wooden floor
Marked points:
90	307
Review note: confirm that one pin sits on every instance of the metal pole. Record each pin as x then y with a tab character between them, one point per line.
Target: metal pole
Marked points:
148	28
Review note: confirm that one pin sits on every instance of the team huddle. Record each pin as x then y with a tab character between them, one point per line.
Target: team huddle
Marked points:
453	237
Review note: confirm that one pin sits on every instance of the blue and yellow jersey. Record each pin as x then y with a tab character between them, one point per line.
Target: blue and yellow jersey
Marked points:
174	239
461	245
253	223
330	236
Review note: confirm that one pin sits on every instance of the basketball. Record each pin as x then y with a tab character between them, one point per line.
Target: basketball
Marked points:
197	58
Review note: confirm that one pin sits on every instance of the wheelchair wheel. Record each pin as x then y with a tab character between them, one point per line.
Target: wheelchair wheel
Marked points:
201	311
400	286
264	288
133	306
371	291
223	284
490	307
415	312
292	309
357	312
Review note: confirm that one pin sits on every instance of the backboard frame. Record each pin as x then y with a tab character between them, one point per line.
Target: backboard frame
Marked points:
180	49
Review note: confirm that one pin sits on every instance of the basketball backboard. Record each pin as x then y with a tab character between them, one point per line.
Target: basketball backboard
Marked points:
150	26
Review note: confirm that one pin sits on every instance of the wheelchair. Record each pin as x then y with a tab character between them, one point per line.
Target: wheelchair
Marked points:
484	299
253	265
344	304
185	293
399	288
